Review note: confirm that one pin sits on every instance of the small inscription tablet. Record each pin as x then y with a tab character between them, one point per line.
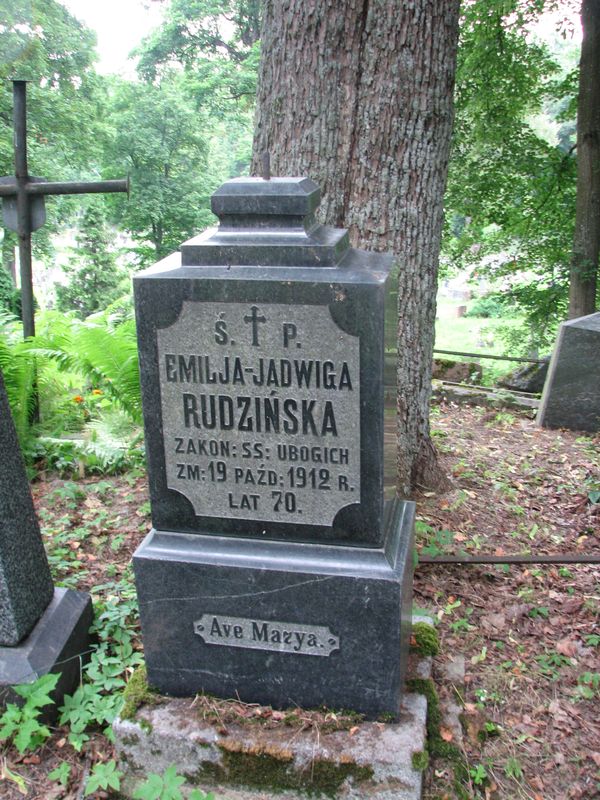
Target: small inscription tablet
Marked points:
262	634
261	411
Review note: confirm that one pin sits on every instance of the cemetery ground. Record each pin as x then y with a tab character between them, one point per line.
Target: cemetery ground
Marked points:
519	646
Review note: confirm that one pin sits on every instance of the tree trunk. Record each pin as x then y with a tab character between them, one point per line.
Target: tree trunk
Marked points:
586	245
357	94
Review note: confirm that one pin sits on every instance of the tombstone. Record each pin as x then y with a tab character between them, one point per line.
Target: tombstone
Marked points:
274	571
571	396
42	629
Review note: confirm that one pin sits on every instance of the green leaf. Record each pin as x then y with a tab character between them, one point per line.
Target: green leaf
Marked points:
62	773
196	794
30	735
77	740
172	781
37	694
103	776
151	789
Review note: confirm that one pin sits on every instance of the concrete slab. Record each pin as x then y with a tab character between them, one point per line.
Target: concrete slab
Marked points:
249	762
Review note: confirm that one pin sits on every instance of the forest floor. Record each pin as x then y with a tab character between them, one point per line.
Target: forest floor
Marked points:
529	635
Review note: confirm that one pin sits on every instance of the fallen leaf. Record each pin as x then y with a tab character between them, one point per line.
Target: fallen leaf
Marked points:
571	606
446	734
495	621
353	730
7	775
567	647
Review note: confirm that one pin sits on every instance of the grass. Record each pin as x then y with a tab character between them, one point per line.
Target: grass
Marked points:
474	335
465	334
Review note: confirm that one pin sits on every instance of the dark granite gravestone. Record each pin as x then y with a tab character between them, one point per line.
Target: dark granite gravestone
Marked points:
274	571
42	629
571	396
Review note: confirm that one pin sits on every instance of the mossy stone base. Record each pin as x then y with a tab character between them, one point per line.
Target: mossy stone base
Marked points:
248	762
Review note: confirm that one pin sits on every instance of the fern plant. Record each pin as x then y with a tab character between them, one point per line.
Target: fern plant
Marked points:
19	370
105	354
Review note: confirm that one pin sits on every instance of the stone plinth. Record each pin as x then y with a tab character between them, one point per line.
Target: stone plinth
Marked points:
59	642
278	623
375	760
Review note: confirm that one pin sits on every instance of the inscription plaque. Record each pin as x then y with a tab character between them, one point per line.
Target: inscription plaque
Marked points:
260	408
262	634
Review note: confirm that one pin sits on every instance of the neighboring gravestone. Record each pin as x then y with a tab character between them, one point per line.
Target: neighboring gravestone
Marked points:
530	378
274	572
26	587
571	396
41	629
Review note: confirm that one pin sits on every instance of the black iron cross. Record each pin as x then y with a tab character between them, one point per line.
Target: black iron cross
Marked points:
23	200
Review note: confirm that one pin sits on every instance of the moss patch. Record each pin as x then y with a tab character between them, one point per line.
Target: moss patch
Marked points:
272	768
436	746
424	639
420	760
137	693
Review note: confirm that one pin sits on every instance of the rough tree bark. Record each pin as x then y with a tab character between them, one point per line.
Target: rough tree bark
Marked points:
586	244
357	94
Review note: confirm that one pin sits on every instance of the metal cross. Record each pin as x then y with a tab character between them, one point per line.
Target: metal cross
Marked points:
23	195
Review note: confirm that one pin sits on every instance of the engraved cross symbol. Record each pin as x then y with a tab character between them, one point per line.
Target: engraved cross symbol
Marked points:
254	319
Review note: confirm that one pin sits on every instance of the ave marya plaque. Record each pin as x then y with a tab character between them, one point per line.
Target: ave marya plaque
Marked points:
261	411
262	634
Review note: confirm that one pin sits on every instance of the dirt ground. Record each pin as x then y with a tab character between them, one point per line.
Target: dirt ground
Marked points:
529	636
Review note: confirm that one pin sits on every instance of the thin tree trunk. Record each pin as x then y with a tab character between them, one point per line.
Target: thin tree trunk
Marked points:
586	245
8	254
357	94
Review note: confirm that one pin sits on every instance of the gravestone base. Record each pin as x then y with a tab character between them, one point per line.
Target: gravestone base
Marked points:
279	623
251	762
59	642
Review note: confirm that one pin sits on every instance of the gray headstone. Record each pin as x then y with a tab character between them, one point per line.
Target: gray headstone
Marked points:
42	629
26	587
571	396
275	571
